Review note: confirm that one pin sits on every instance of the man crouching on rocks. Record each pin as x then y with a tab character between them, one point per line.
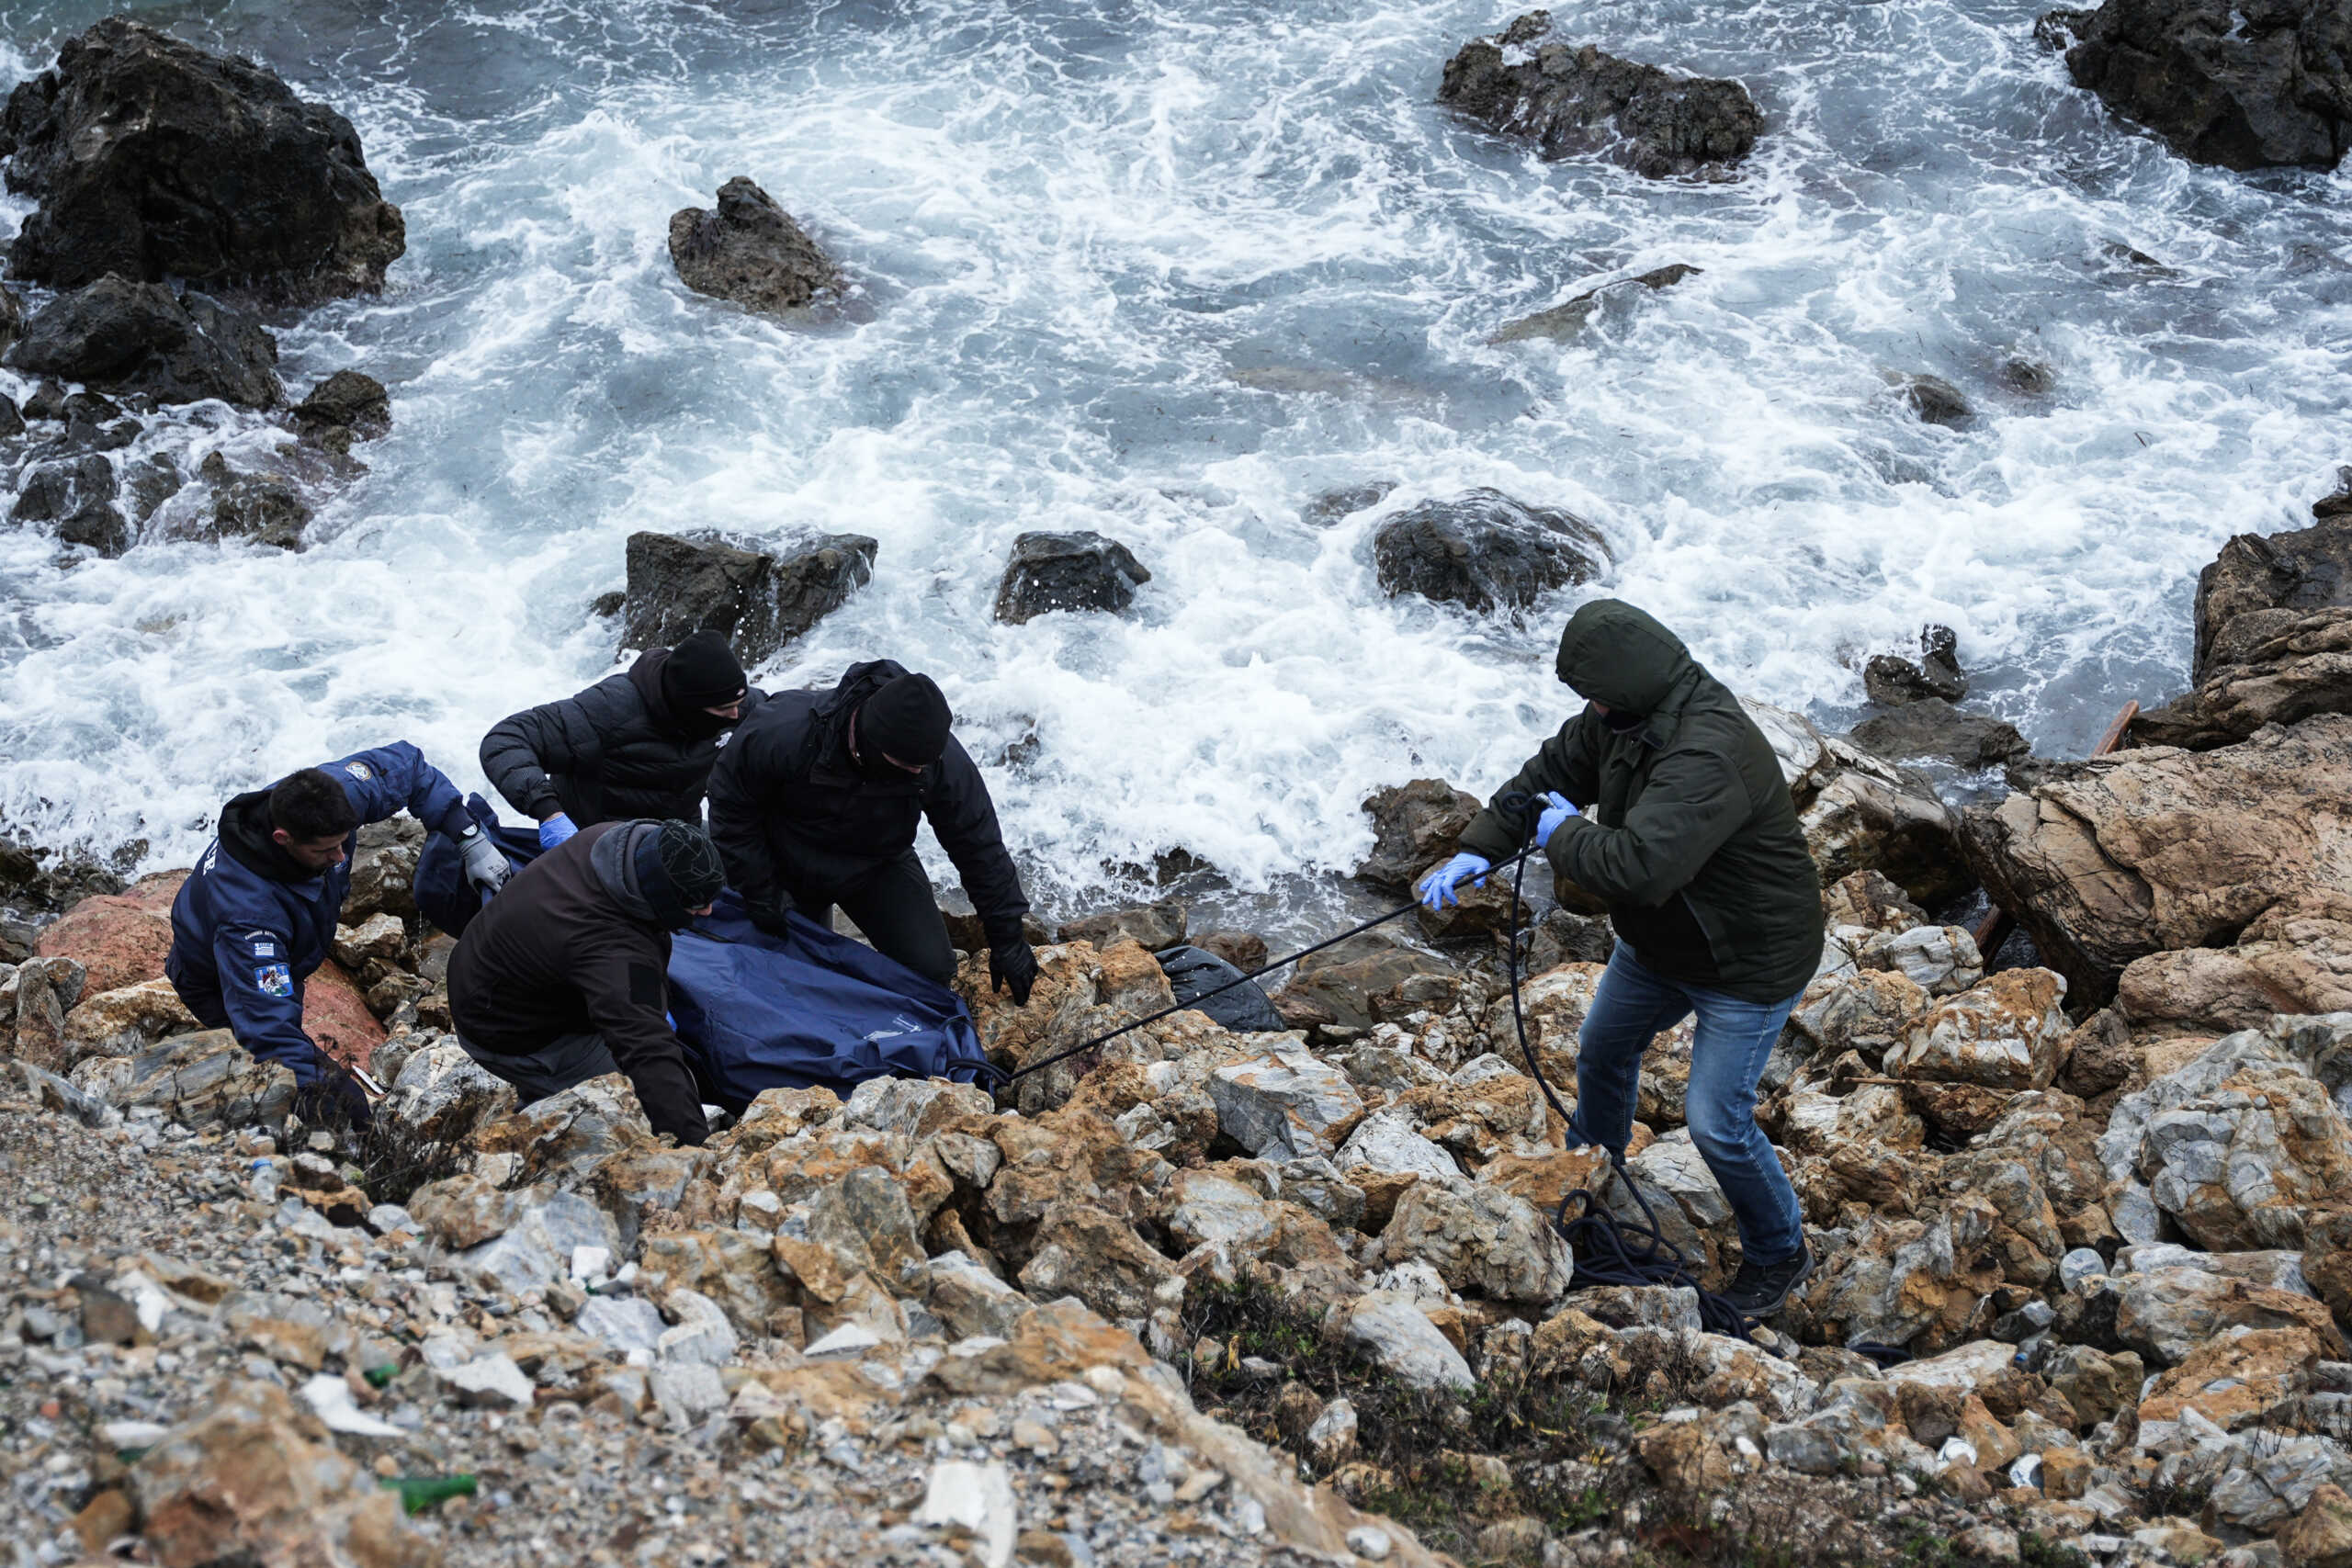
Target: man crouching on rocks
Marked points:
564	977
257	915
1664	798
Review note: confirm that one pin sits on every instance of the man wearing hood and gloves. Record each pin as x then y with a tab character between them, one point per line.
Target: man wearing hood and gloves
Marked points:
564	977
636	744
1663	798
817	801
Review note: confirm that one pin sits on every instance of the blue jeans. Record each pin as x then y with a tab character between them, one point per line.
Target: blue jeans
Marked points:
1633	1005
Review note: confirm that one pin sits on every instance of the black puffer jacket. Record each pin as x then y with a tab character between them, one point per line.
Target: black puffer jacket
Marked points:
570	947
1687	829
792	814
613	752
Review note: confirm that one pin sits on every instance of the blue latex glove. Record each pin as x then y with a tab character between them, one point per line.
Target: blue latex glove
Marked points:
555	831
1554	815
1436	888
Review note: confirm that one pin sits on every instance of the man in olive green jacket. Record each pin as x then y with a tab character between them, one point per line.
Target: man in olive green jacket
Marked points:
1664	798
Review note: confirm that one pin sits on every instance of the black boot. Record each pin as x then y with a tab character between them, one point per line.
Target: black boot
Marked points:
1759	1289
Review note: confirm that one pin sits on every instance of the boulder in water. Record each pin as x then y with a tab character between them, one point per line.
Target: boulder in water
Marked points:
1529	81
1933	727
1891	679
1561	322
267	509
2246	86
78	496
1934	400
346	406
153	158
748	249
759	601
1067	572
1485	551
117	335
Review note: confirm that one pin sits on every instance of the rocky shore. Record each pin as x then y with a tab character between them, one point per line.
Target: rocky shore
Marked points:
1285	1296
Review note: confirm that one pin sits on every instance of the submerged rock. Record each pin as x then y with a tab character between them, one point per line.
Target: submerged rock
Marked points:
1486	551
117	335
1561	322
1067	572
267	509
1529	81
748	249
153	158
2244	87
1935	400
78	496
759	601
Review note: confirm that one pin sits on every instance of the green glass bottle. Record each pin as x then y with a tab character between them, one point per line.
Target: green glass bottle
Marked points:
418	1493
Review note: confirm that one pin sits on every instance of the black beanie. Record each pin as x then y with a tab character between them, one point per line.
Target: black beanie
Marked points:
702	673
678	871
907	720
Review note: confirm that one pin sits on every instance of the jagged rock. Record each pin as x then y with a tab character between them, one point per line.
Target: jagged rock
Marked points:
126	1020
78	496
154	158
1067	572
1861	813
917	1106
2240	1165
1692	1210
267	509
2321	1536
1940	960
208	1079
2302	570
759	601
249	1478
1930	726
1156	926
121	336
534	1248
1563	322
2005	1033
1529	81
1098	1257
1386	1143
46	992
2243	88
2159	851
1414	826
969	1299
1891	681
1353	984
1867	900
1485	551
443	1094
1279	1105
749	250
1396	1332
1479	1239
2165	1314
346	405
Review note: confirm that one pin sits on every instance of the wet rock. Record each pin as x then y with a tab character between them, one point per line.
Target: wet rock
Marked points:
2300	570
1414	826
2004	1033
1485	551
759	601
77	495
2247	89
1935	400
267	509
1563	322
1891	679
251	1479
1067	572
1336	506
121	336
1394	1330
748	249
1481	1240
2028	377
1529	81
152	480
1156	926
154	158
1859	812
2159	851
1931	726
351	402
1281	1104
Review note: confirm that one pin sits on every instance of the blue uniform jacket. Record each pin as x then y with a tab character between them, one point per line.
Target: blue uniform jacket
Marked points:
243	943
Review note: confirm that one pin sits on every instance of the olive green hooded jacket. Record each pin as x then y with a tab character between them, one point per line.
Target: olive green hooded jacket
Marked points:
1688	831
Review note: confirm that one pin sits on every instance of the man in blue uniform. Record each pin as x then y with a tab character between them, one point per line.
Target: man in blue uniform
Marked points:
257	915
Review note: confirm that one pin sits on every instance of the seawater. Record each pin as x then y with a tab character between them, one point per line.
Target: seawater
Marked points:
1169	271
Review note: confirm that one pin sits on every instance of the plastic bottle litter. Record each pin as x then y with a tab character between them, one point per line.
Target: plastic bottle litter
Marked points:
263	1174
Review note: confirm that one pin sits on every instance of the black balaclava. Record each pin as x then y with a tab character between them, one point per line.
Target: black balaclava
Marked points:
906	720
1624	723
678	871
701	672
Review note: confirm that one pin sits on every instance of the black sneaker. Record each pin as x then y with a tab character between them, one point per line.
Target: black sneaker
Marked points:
1759	1289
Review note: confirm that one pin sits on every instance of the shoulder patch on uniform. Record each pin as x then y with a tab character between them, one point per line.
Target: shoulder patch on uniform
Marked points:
273	980
358	770
645	986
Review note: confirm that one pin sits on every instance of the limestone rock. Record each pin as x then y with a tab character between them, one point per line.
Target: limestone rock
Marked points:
749	250
1279	1105
2004	1033
2165	1314
208	1079
1940	960
2240	1165
1098	1257
1529	81
1866	814
126	1020
443	1094
1395	1331
1480	1239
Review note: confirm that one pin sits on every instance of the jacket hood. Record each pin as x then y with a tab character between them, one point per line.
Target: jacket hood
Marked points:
645	676
1615	654
613	857
246	834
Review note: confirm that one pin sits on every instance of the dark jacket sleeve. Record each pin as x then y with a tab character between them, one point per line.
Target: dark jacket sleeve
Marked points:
628	996
523	749
746	773
390	779
1695	801
1568	762
264	1004
965	819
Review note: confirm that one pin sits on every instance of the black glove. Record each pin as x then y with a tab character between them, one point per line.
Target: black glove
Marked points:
335	1100
768	913
1011	965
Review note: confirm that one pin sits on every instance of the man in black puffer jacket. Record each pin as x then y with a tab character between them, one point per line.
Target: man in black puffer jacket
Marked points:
815	803
636	744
